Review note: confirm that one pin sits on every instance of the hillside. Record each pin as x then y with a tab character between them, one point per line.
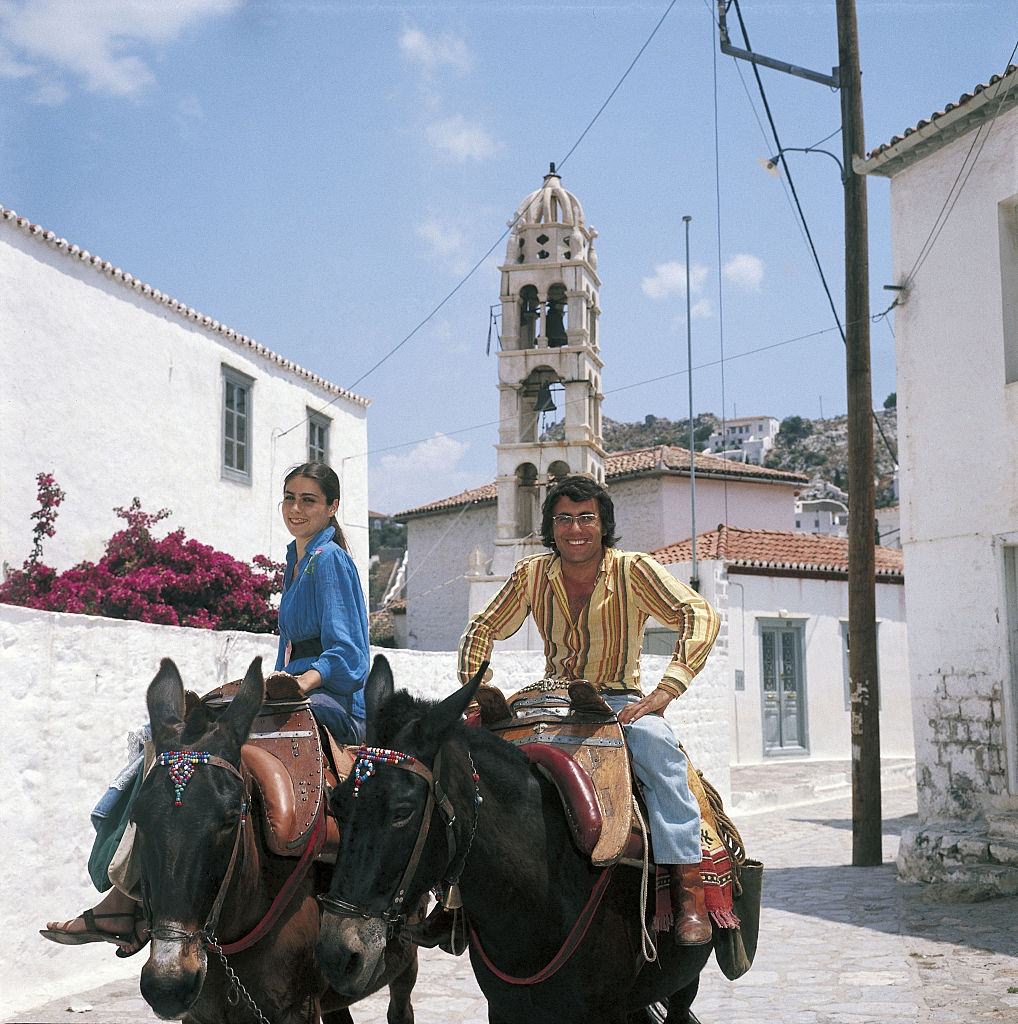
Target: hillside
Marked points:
818	448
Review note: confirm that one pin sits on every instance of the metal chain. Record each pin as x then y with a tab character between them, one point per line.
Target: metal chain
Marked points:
237	989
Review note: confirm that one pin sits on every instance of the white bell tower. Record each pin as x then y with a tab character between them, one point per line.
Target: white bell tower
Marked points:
548	361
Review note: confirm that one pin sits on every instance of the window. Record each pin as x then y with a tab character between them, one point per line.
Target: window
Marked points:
660	641
237	388
318	437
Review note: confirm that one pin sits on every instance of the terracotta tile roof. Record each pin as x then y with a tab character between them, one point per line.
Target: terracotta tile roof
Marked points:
984	102
807	553
184	311
661	458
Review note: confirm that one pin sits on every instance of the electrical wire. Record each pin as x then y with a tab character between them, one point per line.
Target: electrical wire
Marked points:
470	273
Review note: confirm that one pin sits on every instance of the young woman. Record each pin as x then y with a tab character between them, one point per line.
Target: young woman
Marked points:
323	642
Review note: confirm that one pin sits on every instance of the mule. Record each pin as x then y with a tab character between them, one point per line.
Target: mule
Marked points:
209	878
523	884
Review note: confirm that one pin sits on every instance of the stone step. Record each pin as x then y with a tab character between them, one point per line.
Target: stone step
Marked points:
981	849
980	881
1002	825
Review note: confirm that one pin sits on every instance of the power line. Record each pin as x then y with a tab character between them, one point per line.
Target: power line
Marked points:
470	273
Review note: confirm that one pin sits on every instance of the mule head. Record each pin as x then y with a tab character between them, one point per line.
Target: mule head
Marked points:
380	825
184	851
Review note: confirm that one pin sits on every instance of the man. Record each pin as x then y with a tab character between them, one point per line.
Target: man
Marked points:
590	603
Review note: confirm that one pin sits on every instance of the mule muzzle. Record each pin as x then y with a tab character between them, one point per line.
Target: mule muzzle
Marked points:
174	973
351	953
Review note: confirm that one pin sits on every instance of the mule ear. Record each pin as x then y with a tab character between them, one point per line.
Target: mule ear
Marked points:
165	700
446	714
379	687
235	722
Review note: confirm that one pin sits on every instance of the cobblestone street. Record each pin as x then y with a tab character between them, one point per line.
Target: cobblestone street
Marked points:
837	945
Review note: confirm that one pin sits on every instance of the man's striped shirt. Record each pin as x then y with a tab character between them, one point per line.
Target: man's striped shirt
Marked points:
603	645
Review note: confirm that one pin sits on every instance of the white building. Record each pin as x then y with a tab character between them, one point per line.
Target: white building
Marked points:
121	391
956	329
783	598
747	439
822	515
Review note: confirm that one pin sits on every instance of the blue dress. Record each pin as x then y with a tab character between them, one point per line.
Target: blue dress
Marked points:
323	599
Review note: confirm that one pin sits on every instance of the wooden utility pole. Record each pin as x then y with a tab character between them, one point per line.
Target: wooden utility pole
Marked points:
862	627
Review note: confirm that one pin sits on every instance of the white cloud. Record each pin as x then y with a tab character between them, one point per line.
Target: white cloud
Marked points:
96	43
669	279
745	270
446	244
433	52
459	140
701	309
426	472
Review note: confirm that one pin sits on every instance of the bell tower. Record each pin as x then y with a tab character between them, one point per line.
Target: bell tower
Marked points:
548	362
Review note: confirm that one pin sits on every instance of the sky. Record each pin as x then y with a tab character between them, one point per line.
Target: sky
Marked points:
324	175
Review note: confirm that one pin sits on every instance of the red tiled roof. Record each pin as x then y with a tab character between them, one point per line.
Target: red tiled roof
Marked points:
779	550
171	304
985	101
662	458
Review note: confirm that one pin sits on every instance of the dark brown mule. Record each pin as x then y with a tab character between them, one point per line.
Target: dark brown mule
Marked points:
438	802
207	870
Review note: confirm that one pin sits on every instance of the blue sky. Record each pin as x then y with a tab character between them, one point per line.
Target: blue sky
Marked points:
319	175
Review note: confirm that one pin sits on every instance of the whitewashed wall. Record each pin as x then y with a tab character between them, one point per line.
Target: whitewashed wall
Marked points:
438	593
820	607
120	397
75	685
958	450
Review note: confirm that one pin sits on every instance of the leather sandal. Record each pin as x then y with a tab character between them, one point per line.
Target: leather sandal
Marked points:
92	932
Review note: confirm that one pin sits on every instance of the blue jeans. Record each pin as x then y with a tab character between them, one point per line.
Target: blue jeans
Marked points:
661	767
344	726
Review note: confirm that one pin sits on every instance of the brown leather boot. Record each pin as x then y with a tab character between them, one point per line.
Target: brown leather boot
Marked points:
692	925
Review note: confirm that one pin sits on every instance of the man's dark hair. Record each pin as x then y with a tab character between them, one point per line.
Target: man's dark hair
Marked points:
579	488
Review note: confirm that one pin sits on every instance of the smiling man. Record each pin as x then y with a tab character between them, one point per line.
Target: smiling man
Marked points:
590	603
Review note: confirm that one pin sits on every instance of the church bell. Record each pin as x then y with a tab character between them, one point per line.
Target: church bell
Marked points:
545	402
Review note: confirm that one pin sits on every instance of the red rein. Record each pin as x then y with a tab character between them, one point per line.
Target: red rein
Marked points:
567	949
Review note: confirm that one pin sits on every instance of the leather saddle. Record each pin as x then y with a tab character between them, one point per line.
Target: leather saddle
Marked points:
292	762
573	738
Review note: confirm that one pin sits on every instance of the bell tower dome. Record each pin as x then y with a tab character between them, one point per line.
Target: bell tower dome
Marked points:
548	361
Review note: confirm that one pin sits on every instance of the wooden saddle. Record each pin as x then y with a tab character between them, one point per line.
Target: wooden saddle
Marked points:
580	747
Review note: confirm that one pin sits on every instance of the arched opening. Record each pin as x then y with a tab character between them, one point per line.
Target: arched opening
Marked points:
536	398
557	315
527	496
558	470
530	314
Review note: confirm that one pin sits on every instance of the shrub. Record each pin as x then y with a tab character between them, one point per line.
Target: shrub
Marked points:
171	580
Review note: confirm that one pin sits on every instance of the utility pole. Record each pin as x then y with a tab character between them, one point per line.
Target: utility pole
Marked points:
694	579
862	626
862	629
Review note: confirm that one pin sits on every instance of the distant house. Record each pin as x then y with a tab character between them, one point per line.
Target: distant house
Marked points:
954	208
783	597
747	439
121	391
822	515
450	542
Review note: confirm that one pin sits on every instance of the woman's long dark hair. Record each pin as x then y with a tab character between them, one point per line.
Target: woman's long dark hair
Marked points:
326	478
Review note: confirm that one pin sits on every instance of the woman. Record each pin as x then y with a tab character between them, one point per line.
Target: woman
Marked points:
323	643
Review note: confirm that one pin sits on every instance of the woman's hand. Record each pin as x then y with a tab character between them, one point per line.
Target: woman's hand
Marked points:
653	704
310	680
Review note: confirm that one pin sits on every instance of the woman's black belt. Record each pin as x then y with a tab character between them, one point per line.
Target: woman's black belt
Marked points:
309	648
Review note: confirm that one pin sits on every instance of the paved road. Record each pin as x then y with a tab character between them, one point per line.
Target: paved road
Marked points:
838	945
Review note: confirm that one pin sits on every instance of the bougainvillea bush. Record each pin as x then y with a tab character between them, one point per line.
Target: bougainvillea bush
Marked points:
170	580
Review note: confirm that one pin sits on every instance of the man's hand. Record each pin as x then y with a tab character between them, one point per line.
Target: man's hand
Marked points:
654	703
309	680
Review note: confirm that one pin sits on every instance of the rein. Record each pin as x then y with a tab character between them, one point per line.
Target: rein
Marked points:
368	759
572	941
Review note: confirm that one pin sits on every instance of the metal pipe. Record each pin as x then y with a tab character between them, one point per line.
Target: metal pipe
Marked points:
694	580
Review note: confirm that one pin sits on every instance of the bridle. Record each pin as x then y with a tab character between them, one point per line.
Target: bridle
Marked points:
394	914
182	764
